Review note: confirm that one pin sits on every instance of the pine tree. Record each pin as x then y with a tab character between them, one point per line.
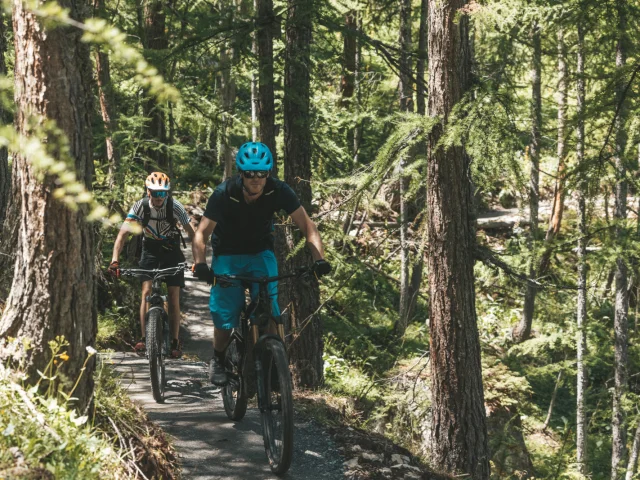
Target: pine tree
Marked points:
306	346
458	432
52	292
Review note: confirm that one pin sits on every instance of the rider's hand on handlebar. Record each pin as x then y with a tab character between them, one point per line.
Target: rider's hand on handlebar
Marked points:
202	272
114	269
321	267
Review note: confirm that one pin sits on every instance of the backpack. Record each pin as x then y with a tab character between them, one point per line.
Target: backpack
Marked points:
146	216
146	212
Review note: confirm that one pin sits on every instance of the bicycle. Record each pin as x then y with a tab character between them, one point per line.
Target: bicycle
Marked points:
271	364
157	325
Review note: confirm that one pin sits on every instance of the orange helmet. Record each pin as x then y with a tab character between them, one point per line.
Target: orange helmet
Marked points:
158	181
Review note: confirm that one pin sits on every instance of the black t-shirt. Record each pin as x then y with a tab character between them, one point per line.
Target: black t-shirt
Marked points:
246	228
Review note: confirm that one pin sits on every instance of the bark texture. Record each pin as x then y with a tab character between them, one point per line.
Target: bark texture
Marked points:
155	41
405	86
266	30
9	198
5	172
349	46
581	341
254	86
618	424
53	288
459	431
509	455
522	330
301	301
633	458
406	105
227	100
105	94
557	211
421	64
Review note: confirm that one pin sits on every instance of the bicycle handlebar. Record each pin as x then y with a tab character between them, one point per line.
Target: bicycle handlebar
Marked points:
155	273
301	272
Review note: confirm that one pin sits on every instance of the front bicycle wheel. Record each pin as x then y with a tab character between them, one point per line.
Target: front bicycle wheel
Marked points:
234	394
277	411
154	350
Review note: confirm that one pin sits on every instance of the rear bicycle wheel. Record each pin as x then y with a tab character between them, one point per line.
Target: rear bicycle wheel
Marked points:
154	350
234	394
277	414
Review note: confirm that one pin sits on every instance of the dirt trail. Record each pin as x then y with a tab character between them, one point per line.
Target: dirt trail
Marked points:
210	445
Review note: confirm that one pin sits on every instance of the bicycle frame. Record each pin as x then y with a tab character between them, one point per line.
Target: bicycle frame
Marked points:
157	325
262	298
256	321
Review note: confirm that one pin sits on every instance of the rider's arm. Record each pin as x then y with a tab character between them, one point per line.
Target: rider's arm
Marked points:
310	232
123	234
181	214
189	229
205	229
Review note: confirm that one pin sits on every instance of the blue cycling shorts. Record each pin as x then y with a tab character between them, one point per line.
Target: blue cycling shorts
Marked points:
226	303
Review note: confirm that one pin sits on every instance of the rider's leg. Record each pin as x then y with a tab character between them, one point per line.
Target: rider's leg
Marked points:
220	339
147	261
146	291
225	305
174	311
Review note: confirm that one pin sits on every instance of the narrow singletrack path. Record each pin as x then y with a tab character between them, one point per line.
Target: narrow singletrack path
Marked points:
211	446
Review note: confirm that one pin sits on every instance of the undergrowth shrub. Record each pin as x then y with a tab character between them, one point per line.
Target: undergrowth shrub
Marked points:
41	435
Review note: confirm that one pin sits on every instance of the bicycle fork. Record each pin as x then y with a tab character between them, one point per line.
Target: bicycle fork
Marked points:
257	361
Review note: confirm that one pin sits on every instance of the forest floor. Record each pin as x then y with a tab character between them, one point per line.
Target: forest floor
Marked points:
210	446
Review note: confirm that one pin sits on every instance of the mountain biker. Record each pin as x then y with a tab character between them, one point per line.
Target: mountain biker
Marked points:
160	248
240	213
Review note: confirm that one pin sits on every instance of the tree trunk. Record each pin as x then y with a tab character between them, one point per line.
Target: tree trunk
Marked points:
266	28
306	345
357	129
347	82
405	86
227	100
406	105
254	85
552	403
418	262
581	341
212	144
155	40
254	108
105	94
5	172
555	222
459	432
522	330
618	424
9	192
53	288
422	58
633	459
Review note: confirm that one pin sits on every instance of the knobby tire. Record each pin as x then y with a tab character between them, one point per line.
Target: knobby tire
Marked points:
277	416
234	394
154	350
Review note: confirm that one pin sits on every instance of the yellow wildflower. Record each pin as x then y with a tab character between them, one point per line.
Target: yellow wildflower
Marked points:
64	357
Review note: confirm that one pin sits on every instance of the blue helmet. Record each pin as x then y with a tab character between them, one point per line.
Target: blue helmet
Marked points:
254	156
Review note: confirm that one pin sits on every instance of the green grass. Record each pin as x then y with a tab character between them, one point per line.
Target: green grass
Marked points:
40	432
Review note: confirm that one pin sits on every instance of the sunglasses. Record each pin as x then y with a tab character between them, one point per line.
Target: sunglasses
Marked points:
255	173
158	193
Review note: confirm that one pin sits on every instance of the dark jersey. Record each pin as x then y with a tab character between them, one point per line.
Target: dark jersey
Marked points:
246	228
